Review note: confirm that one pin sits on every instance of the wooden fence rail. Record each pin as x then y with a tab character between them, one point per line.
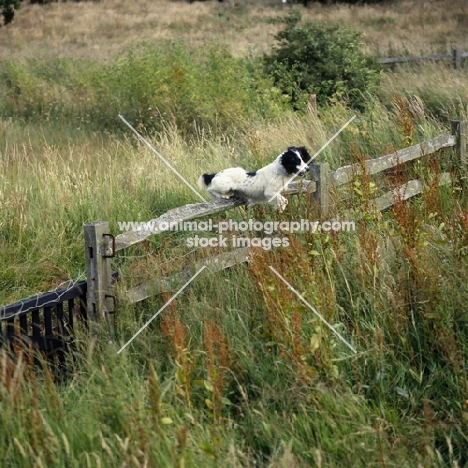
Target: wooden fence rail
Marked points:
319	189
456	56
346	174
193	211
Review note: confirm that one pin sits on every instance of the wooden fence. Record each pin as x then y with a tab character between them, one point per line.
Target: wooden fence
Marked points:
101	245
456	57
47	321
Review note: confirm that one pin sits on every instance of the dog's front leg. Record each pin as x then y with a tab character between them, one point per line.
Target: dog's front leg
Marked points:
281	203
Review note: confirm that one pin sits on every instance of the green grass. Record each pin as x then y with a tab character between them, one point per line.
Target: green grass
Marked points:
236	371
153	86
434	88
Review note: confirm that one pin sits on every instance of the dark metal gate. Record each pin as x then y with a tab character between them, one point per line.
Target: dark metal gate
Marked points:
45	321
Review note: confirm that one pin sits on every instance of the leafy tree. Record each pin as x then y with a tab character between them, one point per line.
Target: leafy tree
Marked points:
320	59
7	8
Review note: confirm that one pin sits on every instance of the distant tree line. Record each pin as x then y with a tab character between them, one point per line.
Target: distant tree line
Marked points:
306	2
51	1
8	7
330	2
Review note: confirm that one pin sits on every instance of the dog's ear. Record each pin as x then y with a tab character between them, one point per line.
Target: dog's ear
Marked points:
302	151
305	156
290	160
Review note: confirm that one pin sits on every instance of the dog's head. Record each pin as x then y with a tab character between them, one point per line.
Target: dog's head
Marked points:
295	160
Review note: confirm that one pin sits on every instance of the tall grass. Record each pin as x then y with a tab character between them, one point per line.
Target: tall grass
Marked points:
440	90
237	371
54	180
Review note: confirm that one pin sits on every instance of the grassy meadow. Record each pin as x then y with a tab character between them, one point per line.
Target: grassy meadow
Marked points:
236	371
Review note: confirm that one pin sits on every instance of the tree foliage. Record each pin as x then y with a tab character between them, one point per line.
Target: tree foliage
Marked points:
7	8
320	59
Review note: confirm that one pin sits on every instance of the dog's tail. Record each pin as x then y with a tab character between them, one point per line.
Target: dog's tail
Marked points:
205	180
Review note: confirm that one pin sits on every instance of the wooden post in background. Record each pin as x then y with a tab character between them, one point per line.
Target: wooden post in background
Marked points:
312	108
320	173
459	131
457	59
98	250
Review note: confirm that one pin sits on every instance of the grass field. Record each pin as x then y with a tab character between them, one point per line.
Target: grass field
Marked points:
101	29
236	371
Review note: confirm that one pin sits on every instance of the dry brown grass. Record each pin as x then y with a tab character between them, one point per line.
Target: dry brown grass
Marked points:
101	29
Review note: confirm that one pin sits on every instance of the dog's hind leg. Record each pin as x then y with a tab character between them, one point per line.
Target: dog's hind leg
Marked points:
216	195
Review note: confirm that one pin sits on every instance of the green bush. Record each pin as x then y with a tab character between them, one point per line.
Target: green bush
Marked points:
320	59
184	86
151	85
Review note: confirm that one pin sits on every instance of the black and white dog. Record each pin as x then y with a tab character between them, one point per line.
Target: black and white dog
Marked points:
261	186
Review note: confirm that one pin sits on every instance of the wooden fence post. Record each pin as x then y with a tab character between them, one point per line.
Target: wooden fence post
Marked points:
457	59
98	251
459	131
312	108
320	173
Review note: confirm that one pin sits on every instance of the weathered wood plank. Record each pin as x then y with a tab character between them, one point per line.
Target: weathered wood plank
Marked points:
387	60
220	262
459	132
320	173
346	174
192	211
457	55
98	269
300	186
405	191
457	59
176	215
